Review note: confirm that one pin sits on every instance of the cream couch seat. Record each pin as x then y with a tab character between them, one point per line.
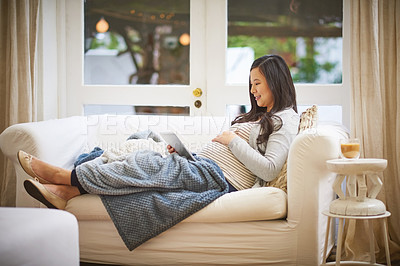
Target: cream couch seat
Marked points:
251	227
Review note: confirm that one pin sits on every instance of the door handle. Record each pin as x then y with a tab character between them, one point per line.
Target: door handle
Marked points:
197	92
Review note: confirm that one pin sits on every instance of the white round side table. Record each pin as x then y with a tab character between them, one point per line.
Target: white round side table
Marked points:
358	204
368	223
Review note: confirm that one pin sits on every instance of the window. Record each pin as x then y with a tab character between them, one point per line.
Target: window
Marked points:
306	33
216	60
136	42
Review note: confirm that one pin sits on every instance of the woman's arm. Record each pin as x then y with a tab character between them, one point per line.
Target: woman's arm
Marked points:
267	166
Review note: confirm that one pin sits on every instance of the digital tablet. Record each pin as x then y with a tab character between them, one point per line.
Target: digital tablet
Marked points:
172	139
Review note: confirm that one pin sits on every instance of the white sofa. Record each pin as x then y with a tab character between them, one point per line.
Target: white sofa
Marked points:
263	226
38	237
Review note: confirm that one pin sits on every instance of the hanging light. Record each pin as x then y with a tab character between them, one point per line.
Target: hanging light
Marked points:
184	39
102	25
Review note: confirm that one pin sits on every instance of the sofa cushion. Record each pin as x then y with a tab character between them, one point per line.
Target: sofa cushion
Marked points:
263	203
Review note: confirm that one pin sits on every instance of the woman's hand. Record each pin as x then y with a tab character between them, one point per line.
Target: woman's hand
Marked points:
170	149
225	138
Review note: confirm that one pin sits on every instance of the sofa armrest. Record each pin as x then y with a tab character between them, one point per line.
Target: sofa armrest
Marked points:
57	142
310	186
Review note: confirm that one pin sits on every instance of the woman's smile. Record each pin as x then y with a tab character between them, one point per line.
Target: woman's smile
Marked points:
260	89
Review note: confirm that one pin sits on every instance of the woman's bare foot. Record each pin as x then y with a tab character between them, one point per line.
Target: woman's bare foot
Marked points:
51	173
63	191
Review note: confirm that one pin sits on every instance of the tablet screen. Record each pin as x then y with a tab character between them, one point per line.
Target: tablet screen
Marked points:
172	139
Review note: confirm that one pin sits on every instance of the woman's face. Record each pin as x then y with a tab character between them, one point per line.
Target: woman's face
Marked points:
261	90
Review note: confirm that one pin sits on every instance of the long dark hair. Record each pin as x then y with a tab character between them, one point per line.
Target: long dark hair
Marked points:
280	82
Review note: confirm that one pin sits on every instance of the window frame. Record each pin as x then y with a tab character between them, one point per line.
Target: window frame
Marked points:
307	94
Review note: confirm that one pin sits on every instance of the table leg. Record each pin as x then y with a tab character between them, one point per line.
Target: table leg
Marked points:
339	242
362	188
376	186
352	186
328	227
337	185
371	241
385	237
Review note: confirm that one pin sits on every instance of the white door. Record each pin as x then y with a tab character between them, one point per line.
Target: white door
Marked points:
81	93
208	66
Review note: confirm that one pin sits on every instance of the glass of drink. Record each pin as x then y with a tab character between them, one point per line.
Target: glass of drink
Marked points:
350	148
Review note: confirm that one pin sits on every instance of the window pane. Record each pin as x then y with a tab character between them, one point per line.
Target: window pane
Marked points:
137	42
306	33
100	109
327	114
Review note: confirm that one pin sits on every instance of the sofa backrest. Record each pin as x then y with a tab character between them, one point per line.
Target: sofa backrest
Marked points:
110	131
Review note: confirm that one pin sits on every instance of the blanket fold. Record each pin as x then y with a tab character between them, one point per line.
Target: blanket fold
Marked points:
147	193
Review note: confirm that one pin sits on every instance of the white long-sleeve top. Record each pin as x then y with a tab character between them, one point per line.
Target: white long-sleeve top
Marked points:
245	163
267	163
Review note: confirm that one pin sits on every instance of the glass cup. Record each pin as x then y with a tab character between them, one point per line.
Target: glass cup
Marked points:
350	148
